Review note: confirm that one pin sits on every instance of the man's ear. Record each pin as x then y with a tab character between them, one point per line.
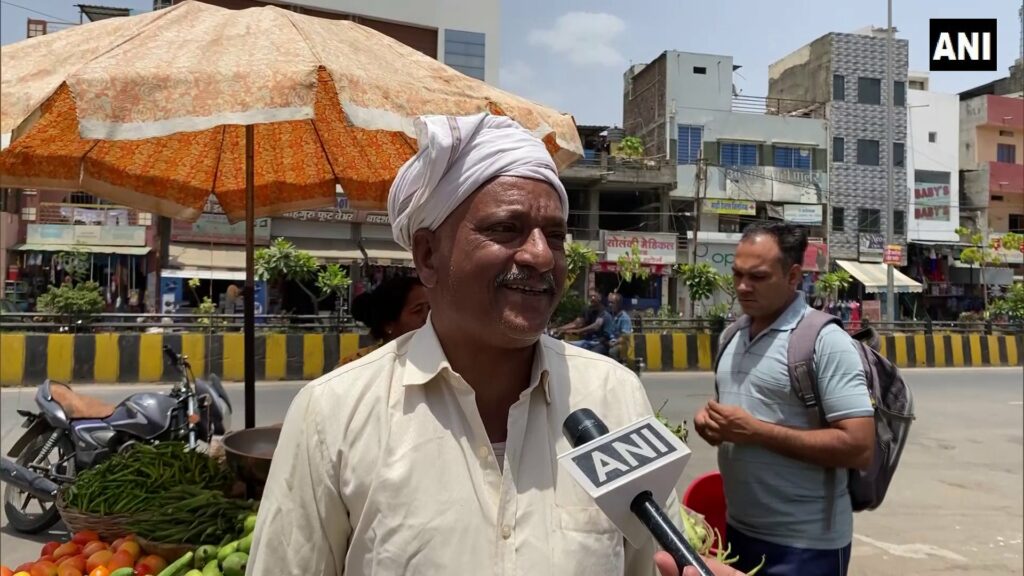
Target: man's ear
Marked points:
425	256
796	274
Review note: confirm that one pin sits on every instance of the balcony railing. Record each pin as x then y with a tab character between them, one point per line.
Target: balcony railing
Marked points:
777	106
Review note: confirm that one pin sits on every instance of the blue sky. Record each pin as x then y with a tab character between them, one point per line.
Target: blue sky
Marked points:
572	54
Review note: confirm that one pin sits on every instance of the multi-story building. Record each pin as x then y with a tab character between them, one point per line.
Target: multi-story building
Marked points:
933	163
765	158
848	71
992	167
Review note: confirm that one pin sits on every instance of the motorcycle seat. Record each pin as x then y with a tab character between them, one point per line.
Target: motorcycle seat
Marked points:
79	406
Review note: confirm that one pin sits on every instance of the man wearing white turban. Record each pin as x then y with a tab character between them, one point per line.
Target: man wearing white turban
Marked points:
436	454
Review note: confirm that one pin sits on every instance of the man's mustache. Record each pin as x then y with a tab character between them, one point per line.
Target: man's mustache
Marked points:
517	276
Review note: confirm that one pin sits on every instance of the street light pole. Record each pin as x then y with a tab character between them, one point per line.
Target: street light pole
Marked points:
890	296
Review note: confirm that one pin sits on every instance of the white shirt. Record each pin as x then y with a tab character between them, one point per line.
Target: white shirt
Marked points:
384	468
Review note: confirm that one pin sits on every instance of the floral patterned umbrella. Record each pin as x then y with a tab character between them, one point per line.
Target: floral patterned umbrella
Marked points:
266	109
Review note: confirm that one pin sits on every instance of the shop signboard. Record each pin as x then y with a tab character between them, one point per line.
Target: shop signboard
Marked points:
729	206
655	248
86	235
893	254
816	257
215	228
802	214
932	201
871	247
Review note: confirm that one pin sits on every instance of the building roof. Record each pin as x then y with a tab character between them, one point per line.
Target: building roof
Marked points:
94	13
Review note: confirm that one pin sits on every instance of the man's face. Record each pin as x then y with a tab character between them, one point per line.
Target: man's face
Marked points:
595	300
764	286
615	302
496	266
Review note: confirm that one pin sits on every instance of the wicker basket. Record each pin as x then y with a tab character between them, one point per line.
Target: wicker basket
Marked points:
169	552
110	527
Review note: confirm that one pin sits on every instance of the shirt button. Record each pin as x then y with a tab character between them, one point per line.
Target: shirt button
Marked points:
483	452
506	532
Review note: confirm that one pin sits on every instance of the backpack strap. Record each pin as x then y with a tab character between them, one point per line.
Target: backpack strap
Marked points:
804	378
723	343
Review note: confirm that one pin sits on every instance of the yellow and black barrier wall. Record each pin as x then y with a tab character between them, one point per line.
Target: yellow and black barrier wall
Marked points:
28	359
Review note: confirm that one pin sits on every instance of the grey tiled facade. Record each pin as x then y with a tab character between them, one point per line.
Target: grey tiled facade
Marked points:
806	74
854	186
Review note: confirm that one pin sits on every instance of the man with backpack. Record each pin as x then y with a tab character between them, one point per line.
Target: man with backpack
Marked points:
778	446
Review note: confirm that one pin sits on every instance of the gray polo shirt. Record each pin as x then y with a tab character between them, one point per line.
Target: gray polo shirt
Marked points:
770	496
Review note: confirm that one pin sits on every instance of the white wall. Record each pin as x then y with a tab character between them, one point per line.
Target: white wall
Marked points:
466	15
939	113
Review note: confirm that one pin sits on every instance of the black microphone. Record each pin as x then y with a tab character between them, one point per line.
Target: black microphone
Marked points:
583	426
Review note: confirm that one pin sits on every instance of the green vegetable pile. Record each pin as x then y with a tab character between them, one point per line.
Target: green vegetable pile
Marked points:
229	559
702	539
189	515
127	481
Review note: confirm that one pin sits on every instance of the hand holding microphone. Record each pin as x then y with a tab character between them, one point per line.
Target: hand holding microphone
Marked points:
667	567
628	472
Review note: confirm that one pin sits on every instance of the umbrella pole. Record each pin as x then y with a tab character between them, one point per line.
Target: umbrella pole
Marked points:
250	285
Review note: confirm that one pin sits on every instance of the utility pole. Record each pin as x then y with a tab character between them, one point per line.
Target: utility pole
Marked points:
700	190
890	293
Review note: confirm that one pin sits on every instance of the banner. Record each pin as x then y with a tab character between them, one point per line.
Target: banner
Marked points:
802	213
871	247
730	206
931	201
654	248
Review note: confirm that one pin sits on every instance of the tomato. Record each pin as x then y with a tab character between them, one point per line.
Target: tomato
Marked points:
44	568
98	559
117	544
68	571
5	571
99	571
131	547
121	559
93	547
78	561
24	567
84	537
66	549
150	565
48	548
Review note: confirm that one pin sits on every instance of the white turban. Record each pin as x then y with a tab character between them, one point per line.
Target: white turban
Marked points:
457	155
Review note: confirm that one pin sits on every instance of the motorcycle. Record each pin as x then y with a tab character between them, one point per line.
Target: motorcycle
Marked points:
73	432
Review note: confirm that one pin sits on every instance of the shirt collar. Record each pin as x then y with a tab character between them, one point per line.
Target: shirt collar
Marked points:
426	360
791	316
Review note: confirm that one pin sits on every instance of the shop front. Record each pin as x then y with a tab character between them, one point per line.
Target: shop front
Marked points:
657	254
115	257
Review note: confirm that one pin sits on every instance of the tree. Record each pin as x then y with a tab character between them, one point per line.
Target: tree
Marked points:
984	255
700	281
831	284
631	265
206	307
631	147
1010	306
334	281
282	261
76	263
71	302
578	259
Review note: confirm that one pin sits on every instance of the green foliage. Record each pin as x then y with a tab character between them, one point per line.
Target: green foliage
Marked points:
1010	306
333	280
630	266
679	430
831	284
631	147
571	306
83	299
700	280
578	259
283	261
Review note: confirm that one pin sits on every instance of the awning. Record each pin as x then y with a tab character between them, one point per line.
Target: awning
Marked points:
205	274
88	248
961	273
346	251
873	277
203	256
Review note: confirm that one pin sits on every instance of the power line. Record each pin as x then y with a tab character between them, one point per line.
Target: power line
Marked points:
57	19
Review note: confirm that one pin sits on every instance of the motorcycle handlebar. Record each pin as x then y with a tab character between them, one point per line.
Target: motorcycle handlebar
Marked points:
172	355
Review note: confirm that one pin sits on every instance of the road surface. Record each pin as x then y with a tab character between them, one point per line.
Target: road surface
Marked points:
956	505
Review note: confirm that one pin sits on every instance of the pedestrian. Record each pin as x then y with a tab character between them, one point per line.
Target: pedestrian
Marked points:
436	453
773	460
397	306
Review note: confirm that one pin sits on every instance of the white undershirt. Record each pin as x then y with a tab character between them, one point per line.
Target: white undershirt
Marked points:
499	454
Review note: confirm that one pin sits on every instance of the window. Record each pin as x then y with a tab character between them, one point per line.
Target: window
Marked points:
1006	133
916	85
688	147
838	149
1017	223
899	154
869	90
464	51
869	220
787	157
729	224
1006	153
700	70
899	223
737	154
899	94
838	87
933	137
867	152
145	218
838	223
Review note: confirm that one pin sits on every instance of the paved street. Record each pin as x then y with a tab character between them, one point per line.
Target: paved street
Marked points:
955	507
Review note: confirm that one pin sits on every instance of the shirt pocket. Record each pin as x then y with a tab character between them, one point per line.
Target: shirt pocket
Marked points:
588	543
